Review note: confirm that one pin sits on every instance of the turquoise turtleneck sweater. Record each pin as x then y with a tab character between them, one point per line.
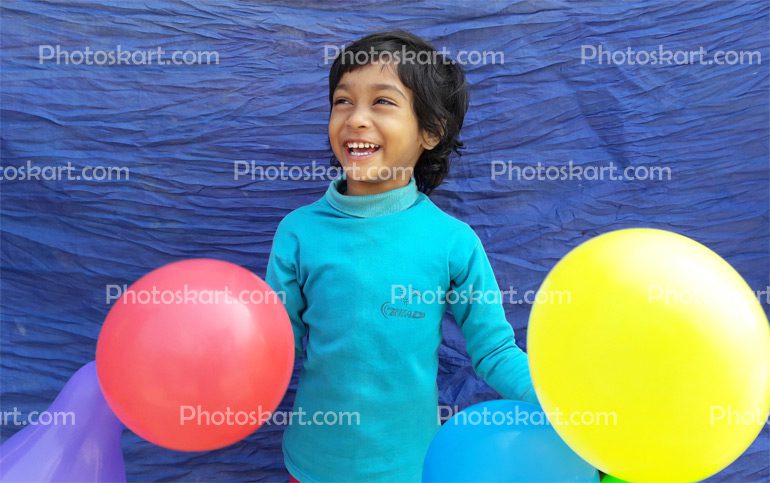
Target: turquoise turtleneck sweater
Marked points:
344	266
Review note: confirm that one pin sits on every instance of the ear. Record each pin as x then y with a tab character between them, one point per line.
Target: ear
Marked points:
429	141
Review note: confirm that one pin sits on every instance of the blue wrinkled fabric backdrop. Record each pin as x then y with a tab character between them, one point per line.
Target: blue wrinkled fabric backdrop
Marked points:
180	130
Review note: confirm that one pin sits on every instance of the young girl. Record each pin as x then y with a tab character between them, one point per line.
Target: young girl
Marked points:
367	271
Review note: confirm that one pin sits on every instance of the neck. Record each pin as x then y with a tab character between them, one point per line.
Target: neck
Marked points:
363	188
376	204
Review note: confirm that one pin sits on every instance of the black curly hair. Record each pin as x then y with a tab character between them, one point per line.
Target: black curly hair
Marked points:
439	88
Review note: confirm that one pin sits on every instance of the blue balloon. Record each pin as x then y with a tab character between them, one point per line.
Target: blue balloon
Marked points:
85	449
502	440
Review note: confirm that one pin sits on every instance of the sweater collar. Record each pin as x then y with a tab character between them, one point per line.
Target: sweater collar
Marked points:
367	206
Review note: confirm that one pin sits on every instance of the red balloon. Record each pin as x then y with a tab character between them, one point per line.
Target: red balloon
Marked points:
195	355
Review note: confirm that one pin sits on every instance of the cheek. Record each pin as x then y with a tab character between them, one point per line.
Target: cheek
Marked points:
334	133
333	124
409	135
407	142
334	140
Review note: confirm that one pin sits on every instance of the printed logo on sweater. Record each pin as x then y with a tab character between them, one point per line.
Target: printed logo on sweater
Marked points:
400	308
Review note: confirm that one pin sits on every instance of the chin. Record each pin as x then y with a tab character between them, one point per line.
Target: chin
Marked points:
364	173
366	179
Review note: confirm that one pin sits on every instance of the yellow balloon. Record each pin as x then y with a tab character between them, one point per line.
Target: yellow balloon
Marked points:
651	356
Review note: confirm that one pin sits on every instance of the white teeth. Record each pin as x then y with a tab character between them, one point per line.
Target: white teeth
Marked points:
362	145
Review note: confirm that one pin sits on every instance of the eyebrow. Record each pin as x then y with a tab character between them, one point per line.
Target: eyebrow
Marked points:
377	87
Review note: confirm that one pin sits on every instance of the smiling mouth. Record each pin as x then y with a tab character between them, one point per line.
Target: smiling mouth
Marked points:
361	149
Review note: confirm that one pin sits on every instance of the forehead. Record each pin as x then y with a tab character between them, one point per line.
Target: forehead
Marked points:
370	76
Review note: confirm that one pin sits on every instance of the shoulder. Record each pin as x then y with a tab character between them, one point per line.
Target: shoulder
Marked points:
293	228
298	220
456	232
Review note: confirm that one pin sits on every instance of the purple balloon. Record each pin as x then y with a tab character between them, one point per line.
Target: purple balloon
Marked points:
86	448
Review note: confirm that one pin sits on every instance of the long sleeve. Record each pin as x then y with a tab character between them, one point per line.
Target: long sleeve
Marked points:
282	277
477	308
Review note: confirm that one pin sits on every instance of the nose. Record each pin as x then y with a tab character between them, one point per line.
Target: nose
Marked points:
359	118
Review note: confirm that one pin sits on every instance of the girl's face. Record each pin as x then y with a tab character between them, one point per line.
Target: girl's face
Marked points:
373	130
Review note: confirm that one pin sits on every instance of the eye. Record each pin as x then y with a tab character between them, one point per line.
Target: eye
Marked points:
340	101
387	102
